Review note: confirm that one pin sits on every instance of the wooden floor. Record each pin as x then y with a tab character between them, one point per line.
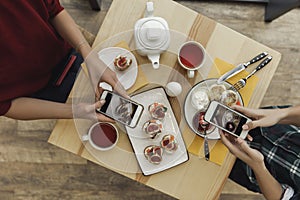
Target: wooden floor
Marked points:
33	169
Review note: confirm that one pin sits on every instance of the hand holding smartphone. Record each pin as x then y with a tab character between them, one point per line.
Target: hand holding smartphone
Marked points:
123	110
226	119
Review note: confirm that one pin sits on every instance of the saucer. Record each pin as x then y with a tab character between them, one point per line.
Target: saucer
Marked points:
127	77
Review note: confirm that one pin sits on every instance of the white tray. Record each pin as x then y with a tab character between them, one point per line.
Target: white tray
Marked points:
139	140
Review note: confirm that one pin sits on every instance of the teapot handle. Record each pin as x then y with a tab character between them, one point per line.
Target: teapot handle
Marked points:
149	9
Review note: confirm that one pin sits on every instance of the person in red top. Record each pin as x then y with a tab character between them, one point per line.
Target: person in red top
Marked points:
37	65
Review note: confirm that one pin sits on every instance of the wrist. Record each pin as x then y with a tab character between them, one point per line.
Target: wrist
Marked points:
285	115
258	166
83	48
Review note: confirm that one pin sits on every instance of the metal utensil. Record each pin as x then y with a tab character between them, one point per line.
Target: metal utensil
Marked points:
242	82
241	67
206	147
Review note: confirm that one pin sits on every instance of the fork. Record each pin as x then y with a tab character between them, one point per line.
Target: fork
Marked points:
242	82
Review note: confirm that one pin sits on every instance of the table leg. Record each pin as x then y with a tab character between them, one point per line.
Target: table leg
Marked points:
276	8
95	4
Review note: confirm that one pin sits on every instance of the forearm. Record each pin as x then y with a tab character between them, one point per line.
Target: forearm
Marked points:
31	109
268	185
291	115
68	29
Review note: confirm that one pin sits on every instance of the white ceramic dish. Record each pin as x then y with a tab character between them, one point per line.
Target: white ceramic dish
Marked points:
126	77
190	111
139	139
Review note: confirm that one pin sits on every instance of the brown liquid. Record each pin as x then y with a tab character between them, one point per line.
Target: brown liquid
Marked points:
191	55
104	135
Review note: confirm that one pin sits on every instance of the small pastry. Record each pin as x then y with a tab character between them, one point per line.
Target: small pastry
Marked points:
200	99
169	144
122	63
152	128
157	111
229	97
153	154
215	92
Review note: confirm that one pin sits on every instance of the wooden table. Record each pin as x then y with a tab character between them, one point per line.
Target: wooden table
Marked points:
197	178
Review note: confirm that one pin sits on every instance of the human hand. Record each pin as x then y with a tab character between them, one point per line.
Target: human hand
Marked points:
238	147
260	117
88	111
100	72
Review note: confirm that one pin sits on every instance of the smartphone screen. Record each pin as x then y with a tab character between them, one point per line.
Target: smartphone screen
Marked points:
228	119
121	109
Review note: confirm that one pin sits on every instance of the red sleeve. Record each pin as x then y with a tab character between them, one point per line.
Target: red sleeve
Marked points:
4	107
53	7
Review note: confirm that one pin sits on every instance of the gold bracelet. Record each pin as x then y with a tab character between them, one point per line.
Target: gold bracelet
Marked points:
81	44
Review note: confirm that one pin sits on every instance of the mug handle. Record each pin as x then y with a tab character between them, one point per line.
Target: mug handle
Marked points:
190	73
85	138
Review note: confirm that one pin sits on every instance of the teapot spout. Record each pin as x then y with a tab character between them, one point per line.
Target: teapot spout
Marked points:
155	60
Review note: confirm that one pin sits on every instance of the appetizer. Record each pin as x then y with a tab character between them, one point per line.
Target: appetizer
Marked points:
153	154
122	63
157	111
152	128
169	144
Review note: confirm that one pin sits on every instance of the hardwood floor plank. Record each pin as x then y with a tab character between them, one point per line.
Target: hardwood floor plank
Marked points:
241	196
69	181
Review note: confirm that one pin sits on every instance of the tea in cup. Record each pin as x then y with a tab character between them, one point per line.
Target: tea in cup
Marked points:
102	136
191	56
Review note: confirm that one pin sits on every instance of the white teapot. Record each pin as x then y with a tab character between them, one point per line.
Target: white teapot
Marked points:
152	36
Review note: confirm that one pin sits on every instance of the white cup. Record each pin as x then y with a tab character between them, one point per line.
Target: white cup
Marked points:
102	136
191	56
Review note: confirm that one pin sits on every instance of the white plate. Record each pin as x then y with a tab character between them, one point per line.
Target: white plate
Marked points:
139	140
190	111
127	77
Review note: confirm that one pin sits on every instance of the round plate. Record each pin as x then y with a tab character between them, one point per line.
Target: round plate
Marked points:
127	77
190	111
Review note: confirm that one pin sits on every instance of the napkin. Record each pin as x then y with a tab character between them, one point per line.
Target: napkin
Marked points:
218	151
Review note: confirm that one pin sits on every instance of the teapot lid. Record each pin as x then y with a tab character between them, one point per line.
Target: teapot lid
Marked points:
153	33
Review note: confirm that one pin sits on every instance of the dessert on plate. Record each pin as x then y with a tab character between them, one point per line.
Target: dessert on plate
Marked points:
215	91
122	62
152	128
153	154
169	143
229	98
200	99
157	110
